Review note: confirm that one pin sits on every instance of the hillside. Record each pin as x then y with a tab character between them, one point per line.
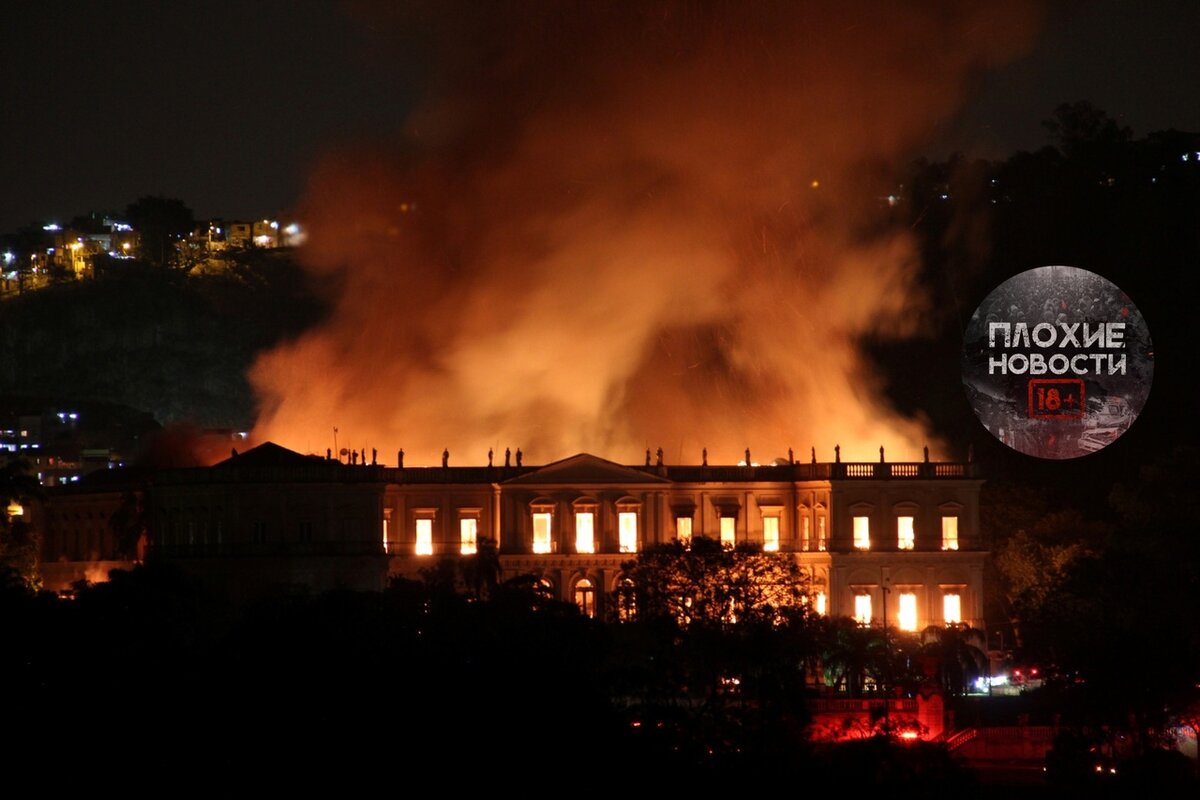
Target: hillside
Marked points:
176	346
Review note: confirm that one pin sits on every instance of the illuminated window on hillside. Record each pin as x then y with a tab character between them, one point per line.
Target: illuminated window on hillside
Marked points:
627	531
862	533
683	529
949	533
821	603
424	537
585	532
728	537
905	535
468	535
805	533
541	532
822	535
862	609
770	534
585	597
952	608
907	617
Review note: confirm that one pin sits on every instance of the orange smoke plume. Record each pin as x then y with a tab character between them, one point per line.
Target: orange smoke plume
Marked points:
618	226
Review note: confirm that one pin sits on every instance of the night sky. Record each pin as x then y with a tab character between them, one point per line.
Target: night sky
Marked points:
227	104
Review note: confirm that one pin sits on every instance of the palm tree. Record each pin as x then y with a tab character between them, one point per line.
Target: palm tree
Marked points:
850	653
958	649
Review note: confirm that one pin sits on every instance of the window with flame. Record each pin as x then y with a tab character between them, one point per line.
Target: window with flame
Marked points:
627	531
542	531
728	530
906	537
626	600
683	529
862	608
585	531
805	530
821	604
952	608
862	533
771	533
822	534
585	597
468	535
424	544
906	617
949	533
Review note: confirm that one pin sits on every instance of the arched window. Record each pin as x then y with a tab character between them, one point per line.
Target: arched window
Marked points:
585	597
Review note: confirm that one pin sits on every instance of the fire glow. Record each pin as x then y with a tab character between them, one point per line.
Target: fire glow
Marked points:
612	227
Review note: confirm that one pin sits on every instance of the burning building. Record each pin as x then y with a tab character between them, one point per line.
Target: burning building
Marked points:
896	543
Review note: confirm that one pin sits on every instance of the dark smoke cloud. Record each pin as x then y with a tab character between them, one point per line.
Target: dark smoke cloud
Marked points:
618	226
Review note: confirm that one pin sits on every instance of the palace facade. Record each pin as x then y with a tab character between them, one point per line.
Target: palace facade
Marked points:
892	542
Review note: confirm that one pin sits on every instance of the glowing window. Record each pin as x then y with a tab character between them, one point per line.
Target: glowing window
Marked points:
862	533
805	533
585	597
424	537
468	535
905	535
821	603
585	532
727	531
541	532
822	539
627	530
862	609
952	608
626	600
683	529
907	618
770	534
386	524
949	533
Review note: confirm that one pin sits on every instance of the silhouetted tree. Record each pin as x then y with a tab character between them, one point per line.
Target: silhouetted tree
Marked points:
1080	129
19	543
958	649
706	582
160	223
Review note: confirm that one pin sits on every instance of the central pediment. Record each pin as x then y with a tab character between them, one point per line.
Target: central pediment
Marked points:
584	469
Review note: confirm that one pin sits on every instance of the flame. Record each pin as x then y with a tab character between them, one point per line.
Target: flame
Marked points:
608	228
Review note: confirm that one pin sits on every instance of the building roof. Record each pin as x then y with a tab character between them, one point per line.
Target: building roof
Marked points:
268	454
585	468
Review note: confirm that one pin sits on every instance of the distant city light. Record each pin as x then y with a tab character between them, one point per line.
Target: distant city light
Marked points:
54	227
